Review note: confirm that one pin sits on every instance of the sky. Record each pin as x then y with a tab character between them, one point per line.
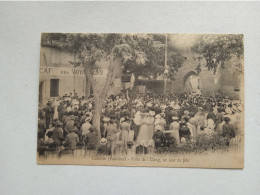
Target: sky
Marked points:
183	41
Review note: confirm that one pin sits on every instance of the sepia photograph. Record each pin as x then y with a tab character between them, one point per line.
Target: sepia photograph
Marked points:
152	100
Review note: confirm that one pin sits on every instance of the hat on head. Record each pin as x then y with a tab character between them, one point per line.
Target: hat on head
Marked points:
152	113
200	108
106	119
176	107
158	116
87	119
183	140
175	118
59	123
191	114
144	114
103	141
227	119
127	118
186	112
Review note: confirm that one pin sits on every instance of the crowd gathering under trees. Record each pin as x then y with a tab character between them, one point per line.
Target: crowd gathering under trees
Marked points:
176	123
140	122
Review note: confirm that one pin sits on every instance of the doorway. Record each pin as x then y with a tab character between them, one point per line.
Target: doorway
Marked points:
54	88
191	82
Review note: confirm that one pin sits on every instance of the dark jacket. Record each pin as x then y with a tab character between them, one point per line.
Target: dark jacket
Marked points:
58	136
158	137
228	130
91	140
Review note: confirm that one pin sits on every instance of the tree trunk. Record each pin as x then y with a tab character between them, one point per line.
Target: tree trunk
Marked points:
97	114
87	92
99	97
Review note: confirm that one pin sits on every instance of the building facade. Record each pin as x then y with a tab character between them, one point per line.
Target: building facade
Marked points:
59	77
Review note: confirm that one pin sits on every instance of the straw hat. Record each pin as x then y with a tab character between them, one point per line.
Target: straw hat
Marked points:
158	116
87	119
106	119
103	141
144	114
175	118
59	123
152	113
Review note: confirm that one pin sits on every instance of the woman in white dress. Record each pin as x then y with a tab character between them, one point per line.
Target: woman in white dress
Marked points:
143	134
151	124
174	129
55	104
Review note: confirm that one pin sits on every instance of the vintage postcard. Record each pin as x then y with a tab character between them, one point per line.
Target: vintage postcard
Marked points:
163	100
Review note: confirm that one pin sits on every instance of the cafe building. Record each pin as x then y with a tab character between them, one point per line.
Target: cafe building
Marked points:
61	74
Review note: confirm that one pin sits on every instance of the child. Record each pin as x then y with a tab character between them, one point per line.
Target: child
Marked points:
184	130
158	137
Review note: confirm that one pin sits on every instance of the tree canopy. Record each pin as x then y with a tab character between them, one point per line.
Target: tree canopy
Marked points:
141	54
217	49
153	45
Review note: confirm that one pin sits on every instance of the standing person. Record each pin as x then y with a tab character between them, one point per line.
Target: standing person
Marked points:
125	128
228	130
211	117
91	140
159	137
143	134
200	118
72	139
174	129
58	134
151	124
85	127
184	130
48	114
111	136
193	125
56	104
219	116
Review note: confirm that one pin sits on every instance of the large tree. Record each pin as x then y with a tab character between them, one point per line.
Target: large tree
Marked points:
153	45
92	48
218	49
141	54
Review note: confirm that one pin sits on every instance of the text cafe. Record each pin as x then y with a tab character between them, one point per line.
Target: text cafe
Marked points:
58	81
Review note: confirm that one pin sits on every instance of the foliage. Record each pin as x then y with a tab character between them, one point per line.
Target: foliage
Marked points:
202	144
153	45
142	54
217	49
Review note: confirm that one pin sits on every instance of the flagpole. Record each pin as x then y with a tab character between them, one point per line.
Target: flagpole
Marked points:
165	66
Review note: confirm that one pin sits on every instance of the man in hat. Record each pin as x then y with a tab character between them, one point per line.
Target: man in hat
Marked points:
58	133
49	111
91	140
72	139
228	130
85	127
111	136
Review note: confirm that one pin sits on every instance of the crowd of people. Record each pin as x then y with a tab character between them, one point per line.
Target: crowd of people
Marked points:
135	121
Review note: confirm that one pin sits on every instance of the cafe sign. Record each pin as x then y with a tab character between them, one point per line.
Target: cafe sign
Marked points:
69	71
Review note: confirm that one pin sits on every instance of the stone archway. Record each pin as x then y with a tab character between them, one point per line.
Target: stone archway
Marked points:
190	82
